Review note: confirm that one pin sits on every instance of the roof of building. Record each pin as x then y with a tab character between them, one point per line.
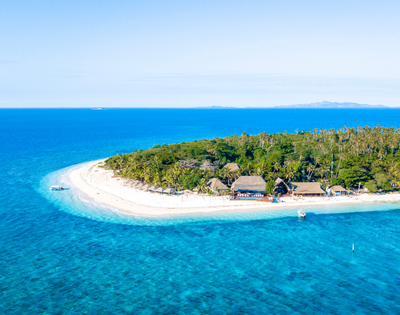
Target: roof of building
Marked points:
232	166
338	188
278	181
249	183
215	184
209	165
313	188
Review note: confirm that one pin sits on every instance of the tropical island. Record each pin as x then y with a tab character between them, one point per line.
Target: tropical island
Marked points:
345	157
248	170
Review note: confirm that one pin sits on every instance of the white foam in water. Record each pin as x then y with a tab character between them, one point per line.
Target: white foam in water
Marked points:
77	203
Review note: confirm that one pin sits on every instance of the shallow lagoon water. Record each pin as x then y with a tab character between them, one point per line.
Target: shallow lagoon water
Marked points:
55	261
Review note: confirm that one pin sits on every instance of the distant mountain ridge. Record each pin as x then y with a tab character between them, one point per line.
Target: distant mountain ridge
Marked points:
326	104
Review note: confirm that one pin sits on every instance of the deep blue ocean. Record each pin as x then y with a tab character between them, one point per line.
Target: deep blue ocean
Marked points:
55	261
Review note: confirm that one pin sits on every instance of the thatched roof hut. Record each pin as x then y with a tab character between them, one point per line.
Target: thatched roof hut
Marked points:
338	189
281	187
249	183
232	166
307	189
215	184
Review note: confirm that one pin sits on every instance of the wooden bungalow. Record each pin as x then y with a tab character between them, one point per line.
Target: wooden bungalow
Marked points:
216	185
281	188
249	184
232	166
307	189
249	188
338	190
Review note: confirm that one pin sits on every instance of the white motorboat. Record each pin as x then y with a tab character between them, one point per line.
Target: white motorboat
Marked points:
56	188
301	213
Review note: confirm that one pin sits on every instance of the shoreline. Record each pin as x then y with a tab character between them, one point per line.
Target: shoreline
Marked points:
99	185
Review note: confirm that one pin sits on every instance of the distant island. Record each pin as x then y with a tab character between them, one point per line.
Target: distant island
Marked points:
326	104
318	105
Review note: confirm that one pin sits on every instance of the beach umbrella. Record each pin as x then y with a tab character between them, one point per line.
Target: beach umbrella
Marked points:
159	190
152	188
145	187
169	191
139	186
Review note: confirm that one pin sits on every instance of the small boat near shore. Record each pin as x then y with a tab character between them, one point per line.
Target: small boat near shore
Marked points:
301	213
57	188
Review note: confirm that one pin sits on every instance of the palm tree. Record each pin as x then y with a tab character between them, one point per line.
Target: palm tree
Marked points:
246	169
276	167
323	170
259	171
225	174
309	169
202	185
207	174
341	157
317	161
168	179
157	179
147	175
288	173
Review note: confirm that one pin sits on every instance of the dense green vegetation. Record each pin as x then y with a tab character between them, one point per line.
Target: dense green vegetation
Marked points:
346	157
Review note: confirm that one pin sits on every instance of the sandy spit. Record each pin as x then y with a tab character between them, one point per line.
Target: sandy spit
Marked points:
100	185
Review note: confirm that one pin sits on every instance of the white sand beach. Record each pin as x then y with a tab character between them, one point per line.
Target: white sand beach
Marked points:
100	185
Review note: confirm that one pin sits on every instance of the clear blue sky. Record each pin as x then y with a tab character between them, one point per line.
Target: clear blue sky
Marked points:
198	53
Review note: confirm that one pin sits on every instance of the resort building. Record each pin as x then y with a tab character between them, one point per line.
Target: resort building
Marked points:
249	184
216	185
232	166
250	188
307	189
281	188
338	190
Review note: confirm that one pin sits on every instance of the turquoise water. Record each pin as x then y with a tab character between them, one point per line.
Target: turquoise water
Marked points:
59	258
